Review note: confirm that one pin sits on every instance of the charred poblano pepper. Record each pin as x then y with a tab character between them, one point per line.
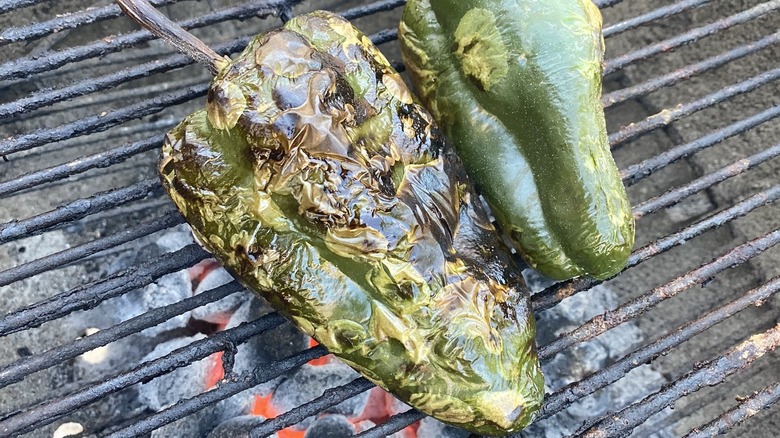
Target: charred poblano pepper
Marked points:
316	179
516	86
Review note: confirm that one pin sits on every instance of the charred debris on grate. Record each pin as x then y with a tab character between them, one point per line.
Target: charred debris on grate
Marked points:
693	233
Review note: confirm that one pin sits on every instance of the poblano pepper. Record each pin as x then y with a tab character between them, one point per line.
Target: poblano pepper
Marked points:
316	179
516	86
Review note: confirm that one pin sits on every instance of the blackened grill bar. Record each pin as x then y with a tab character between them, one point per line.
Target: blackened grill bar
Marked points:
65	21
145	273
687	72
18	370
75	210
667	116
70	255
48	412
92	294
624	61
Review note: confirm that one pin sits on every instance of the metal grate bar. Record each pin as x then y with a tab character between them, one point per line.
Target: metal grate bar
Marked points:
625	312
65	21
90	295
670	115
561	398
98	123
606	3
673	196
708	374
92	85
689	71
10	5
395	424
76	210
18	370
62	171
693	35
637	172
49	412
553	295
662	12
748	408
331	397
70	255
223	391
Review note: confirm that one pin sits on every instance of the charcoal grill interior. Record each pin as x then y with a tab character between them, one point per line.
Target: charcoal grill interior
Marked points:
692	100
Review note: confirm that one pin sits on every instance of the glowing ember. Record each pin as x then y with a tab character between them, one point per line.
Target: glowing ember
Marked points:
263	407
320	360
217	372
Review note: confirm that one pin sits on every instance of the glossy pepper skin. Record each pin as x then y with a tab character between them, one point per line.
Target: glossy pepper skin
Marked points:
317	180
516	86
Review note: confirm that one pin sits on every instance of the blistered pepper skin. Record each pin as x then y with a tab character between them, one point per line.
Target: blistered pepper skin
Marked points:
317	180
516	87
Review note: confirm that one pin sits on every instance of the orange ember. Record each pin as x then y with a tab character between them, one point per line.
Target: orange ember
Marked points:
217	372
262	407
320	360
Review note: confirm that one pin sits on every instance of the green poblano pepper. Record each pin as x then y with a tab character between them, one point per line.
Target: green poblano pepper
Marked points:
316	179
516	86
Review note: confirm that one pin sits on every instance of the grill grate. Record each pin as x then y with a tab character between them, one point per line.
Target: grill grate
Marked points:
123	85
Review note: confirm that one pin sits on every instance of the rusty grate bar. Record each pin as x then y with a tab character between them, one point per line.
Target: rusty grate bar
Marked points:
561	398
670	115
689	71
17	371
553	295
748	408
693	35
673	196
637	172
11	5
709	374
46	413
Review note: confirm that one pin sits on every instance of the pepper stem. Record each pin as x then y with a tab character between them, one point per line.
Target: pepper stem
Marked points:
155	22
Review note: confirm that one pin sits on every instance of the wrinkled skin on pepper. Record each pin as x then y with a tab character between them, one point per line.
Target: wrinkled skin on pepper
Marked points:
318	181
516	86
